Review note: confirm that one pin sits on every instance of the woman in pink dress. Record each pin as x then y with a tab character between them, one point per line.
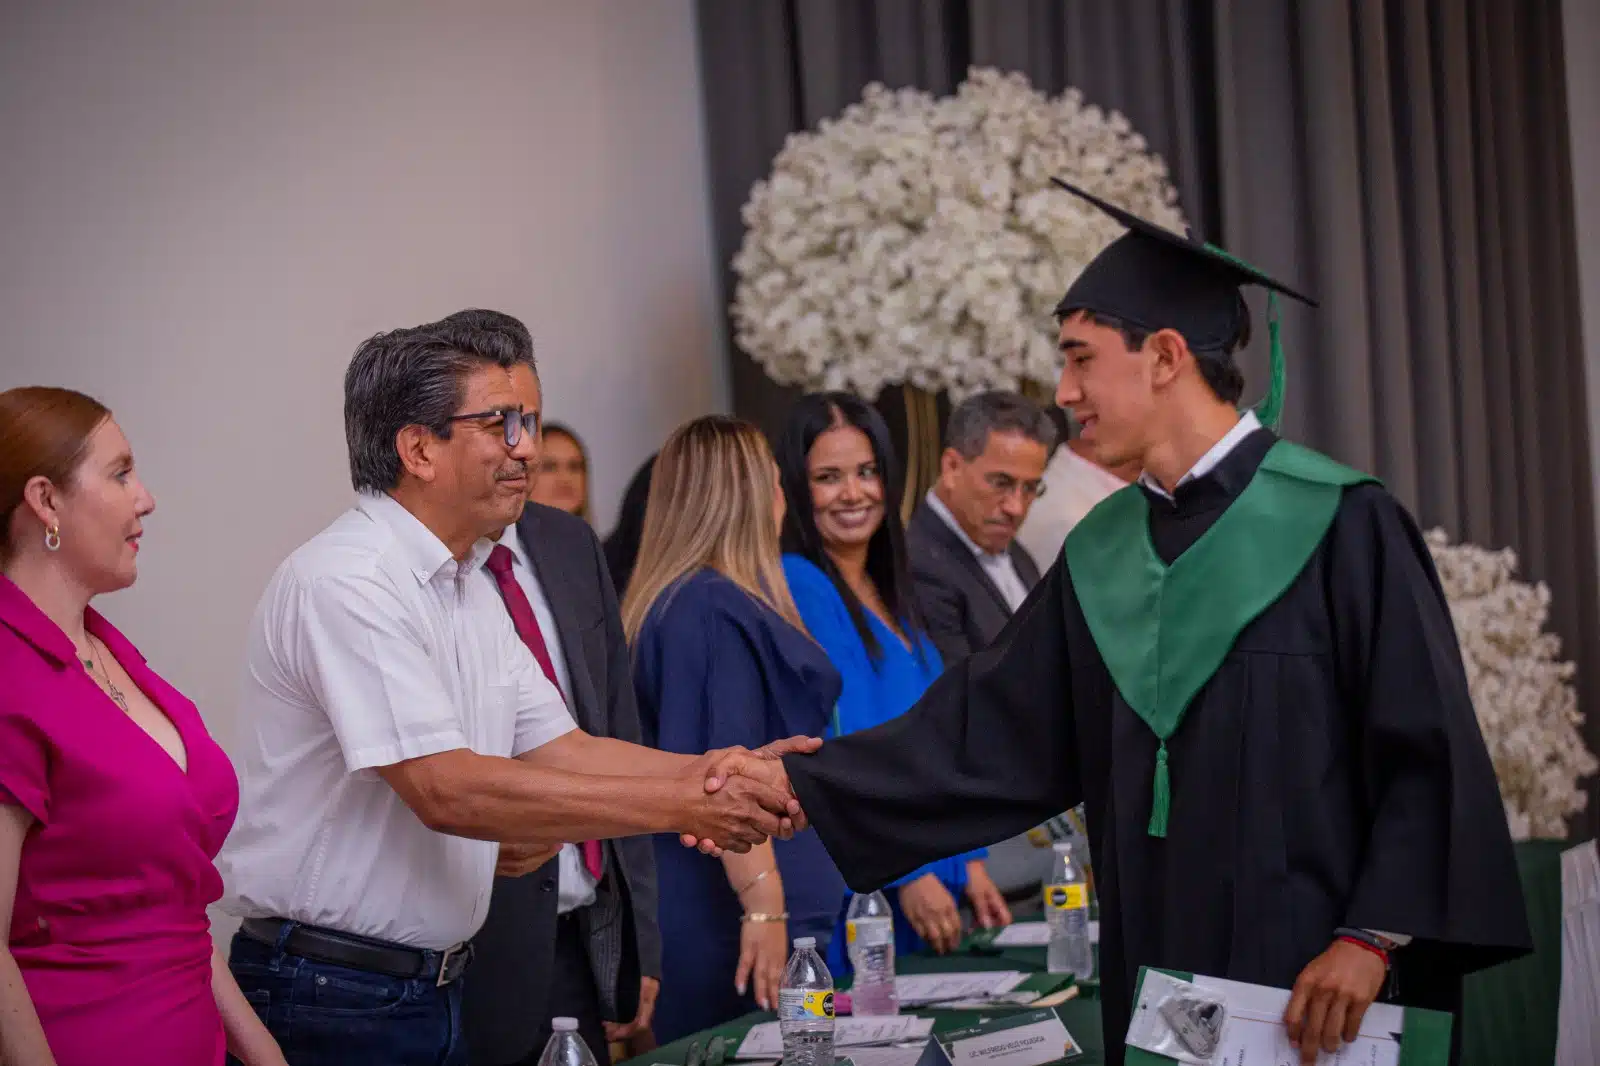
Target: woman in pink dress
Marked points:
113	798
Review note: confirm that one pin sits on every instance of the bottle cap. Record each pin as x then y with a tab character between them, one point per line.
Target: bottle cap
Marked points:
801	943
564	1025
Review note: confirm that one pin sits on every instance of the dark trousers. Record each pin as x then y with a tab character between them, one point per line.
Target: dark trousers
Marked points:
325	1015
572	995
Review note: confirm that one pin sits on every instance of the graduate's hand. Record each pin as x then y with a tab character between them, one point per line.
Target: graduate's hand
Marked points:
1330	998
932	912
988	904
764	764
740	814
789	746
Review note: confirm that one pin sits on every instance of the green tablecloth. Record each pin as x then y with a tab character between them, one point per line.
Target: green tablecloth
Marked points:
1509	1016
1081	1015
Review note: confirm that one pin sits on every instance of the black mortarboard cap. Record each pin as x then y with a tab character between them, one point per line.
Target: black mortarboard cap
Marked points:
1154	278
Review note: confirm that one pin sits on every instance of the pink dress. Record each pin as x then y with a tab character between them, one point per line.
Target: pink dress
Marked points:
109	926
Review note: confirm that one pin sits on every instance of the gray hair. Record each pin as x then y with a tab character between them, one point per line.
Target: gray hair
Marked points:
478	320
415	377
996	412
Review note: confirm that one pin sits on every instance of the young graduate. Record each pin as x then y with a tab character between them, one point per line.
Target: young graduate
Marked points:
1244	667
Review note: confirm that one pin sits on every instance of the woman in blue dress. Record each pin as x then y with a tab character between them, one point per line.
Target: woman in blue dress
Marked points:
844	557
721	658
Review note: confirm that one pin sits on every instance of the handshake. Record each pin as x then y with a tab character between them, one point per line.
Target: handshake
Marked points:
735	799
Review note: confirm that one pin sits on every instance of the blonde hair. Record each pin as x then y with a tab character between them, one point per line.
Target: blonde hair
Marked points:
711	505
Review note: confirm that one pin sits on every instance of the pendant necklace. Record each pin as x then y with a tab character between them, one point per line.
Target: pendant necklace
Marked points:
89	663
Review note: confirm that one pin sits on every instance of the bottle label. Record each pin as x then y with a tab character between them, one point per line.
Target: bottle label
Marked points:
796	1005
869	932
1066	897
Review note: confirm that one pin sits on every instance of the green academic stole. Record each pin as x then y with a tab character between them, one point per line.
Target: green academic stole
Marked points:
1163	631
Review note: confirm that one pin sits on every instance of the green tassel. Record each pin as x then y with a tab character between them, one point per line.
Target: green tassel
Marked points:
1161	803
1270	409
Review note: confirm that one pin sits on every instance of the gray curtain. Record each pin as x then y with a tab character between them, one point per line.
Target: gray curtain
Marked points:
771	67
1407	161
1403	160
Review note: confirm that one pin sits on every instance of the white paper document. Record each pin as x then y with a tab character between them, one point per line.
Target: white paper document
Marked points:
1042	1041
766	1040
1254	1034
923	988
1023	935
1578	1018
1034	935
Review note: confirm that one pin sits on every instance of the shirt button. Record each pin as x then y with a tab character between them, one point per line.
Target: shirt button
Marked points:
549	885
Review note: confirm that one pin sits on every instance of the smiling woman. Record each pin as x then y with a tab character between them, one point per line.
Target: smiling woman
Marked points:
110	787
846	563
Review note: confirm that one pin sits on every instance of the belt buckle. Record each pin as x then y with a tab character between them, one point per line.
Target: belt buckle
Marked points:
462	954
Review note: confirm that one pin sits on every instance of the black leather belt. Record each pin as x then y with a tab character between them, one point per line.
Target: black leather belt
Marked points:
361	953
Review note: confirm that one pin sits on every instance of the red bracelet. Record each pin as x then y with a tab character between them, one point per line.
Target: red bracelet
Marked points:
1375	949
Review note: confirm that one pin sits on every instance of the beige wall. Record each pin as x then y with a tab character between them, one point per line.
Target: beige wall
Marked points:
204	207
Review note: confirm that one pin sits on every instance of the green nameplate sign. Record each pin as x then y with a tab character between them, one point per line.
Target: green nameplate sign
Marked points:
1029	1038
1252	1030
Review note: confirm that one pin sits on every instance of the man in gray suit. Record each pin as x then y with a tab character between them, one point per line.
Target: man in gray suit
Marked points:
969	573
579	936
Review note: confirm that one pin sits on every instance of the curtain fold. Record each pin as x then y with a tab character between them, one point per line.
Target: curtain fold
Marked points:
1405	161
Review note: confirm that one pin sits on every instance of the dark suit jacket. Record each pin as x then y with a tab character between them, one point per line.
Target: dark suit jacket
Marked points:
507	988
961	606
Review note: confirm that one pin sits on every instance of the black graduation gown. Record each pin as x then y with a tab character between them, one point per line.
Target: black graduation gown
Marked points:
1331	773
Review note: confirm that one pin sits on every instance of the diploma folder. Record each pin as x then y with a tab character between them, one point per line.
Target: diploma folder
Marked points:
1391	1035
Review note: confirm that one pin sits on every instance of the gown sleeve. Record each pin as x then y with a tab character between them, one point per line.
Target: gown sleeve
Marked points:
986	753
1438	863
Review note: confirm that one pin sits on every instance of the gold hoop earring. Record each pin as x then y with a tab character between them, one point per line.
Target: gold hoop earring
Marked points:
52	539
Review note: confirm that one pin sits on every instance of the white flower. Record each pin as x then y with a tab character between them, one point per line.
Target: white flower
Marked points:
1522	692
914	239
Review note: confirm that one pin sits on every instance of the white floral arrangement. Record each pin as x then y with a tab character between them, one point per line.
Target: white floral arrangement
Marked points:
918	240
1521	690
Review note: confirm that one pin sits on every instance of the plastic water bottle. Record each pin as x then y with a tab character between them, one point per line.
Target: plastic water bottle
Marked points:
805	1007
1066	908
566	1047
869	934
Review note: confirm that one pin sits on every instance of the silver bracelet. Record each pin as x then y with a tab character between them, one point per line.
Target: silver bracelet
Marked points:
754	881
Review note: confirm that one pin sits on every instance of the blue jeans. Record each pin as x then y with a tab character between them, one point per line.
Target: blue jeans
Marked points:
325	1015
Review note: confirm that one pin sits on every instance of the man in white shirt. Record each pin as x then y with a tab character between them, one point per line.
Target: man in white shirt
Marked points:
579	937
969	572
397	729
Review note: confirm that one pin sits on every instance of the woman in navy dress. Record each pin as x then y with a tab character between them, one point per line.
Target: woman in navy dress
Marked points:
846	566
721	658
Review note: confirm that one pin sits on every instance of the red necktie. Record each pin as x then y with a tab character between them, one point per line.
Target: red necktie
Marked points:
500	563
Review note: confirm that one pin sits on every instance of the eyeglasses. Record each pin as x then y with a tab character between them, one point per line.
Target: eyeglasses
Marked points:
1005	485
516	422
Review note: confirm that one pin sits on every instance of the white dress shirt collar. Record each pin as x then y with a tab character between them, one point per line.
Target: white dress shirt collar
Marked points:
512	539
1000	567
426	554
937	506
1248	423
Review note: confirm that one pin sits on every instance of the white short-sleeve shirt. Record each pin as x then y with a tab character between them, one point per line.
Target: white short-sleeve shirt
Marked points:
370	646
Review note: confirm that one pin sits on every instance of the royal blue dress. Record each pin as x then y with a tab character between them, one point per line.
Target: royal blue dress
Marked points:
714	667
874	691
